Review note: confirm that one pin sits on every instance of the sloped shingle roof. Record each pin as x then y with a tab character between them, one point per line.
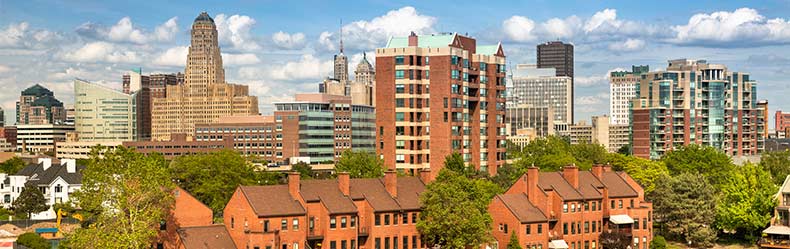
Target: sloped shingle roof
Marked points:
519	205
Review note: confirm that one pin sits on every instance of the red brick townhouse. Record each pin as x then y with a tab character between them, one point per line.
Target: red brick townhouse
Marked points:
342	213
190	225
570	209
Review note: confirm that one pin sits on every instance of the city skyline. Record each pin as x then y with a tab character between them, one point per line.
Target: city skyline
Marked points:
279	53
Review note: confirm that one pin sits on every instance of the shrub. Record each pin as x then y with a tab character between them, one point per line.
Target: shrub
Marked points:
33	241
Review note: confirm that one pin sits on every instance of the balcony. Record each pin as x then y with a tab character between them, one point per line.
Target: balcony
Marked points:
363	231
314	234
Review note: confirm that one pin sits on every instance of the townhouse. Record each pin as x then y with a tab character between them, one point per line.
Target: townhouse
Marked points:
571	208
340	213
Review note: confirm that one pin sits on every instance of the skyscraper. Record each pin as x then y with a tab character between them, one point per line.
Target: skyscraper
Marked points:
104	114
204	96
622	89
558	55
541	88
37	105
696	102
439	94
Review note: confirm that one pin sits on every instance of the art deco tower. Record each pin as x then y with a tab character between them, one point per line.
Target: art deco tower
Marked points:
204	97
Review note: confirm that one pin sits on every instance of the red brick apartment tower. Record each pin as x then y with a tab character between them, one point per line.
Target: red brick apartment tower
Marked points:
436	94
571	208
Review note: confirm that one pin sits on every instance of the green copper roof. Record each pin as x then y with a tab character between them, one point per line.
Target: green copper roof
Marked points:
37	90
423	41
488	49
47	101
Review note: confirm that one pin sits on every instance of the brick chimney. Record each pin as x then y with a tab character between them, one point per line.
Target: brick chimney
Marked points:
607	168
293	184
425	176
412	39
571	174
391	182
532	190
343	181
597	170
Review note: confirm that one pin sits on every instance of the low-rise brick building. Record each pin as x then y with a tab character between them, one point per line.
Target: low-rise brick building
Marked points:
340	213
570	209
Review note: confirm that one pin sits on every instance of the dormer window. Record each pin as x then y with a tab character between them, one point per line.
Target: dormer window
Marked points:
58	188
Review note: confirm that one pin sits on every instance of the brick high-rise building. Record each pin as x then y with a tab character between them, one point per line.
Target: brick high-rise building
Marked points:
695	102
571	208
558	55
204	96
622	89
782	122
37	105
439	94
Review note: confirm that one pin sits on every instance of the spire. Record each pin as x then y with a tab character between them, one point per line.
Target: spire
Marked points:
341	35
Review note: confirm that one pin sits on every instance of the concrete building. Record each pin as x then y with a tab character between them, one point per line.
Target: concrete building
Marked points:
622	90
79	149
205	96
313	127
37	105
104	114
558	55
540	87
336	213
570	209
179	145
695	102
522	137
56	181
600	131
439	94
539	119
41	138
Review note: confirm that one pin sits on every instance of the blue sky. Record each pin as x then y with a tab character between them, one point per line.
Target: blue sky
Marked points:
279	48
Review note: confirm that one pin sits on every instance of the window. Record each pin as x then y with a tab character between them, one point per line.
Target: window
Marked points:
232	222
343	244
295	224
593	205
565	207
387	243
266	225
612	205
454	75
386	219
573	207
405	242
400	102
540	228
378	243
414	241
529	229
405	221
427	60
59	189
505	228
400	88
395	242
573	229
593	226
632	203
587	206
162	225
333	222
284	224
454	60
414	218
333	244
343	222
644	223
400	144
399	74
399	116
353	221
586	227
636	224
378	220
353	244
620	204
565	228
399	60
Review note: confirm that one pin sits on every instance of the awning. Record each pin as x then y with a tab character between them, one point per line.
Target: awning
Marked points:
781	230
621	219
559	244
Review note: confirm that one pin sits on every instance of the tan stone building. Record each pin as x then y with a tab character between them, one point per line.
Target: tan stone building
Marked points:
600	131
205	96
361	89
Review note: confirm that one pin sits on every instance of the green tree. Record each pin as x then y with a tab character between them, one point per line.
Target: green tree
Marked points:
747	201
213	177
513	244
304	169
30	201
506	175
625	150
33	241
12	166
684	204
777	163
643	171
550	153
360	164
610	239
585	155
697	159
130	194
658	242
455	211
455	162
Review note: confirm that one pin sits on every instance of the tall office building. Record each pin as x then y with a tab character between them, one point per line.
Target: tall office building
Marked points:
539	119
695	102
439	94
204	96
361	89
622	89
38	105
540	87
558	55
146	88
104	114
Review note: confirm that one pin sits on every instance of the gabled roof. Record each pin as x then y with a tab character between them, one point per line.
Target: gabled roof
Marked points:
272	201
554	180
213	236
374	191
519	205
490	50
39	176
617	186
409	191
589	184
328	193
37	90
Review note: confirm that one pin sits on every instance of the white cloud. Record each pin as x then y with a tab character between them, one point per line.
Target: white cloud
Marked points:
594	80
742	27
238	59
627	45
175	56
13	35
168	30
306	68
101	52
289	41
125	31
235	31
4	69
603	25
20	35
588	100
519	28
372	34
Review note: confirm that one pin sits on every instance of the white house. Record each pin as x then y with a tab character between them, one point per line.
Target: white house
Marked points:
56	182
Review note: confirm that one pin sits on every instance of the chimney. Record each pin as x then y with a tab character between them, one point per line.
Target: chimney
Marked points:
343	181
532	183
571	174
607	168
71	165
46	162
425	176
412	39
597	170
391	182
293	184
